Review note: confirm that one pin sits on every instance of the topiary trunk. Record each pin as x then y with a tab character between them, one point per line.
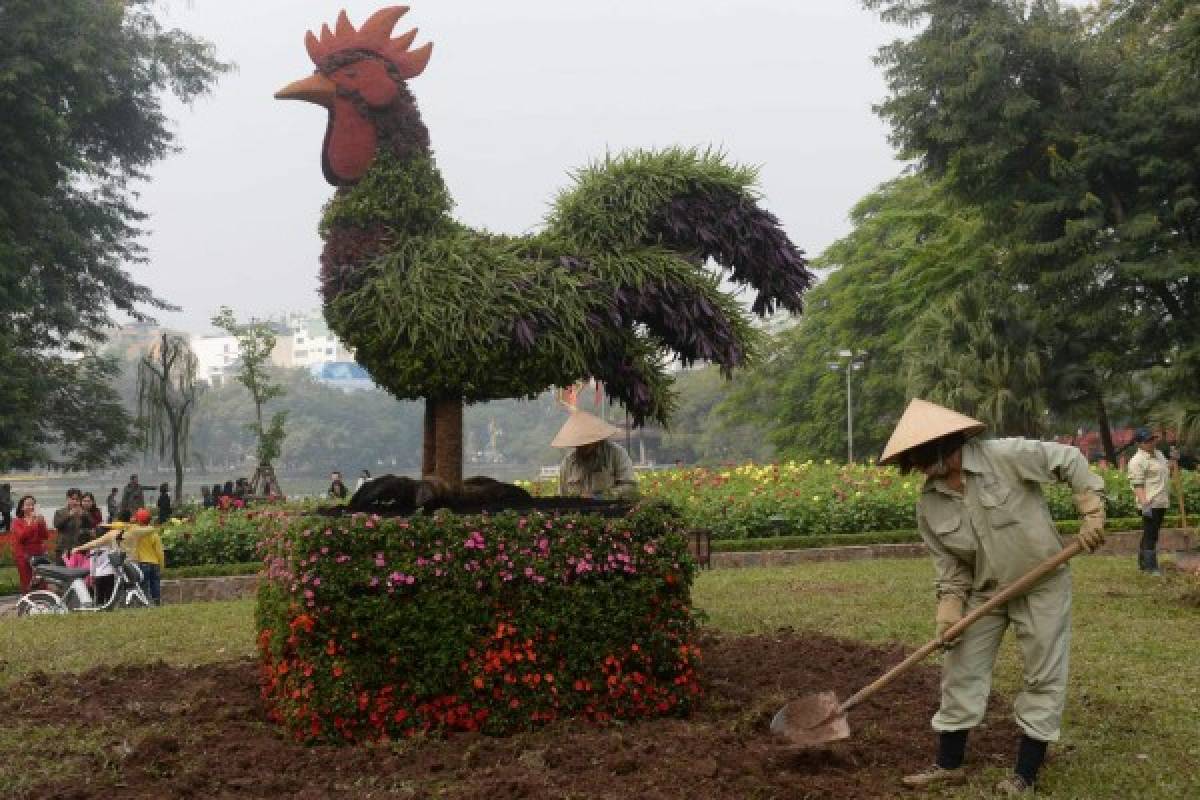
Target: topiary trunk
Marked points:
429	442
447	439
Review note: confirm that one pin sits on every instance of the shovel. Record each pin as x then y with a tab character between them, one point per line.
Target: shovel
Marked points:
818	719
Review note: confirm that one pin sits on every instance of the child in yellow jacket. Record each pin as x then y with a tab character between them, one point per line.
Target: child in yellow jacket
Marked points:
145	545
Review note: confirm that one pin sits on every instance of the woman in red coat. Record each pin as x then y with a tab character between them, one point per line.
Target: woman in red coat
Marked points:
29	536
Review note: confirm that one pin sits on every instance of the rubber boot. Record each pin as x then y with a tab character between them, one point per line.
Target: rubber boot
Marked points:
947	769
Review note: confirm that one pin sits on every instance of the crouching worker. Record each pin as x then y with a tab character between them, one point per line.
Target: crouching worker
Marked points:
595	467
983	517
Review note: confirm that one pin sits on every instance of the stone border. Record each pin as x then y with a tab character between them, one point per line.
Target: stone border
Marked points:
203	590
1117	543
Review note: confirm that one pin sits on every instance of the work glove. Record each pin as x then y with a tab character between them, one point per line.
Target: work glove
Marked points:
1091	524
949	612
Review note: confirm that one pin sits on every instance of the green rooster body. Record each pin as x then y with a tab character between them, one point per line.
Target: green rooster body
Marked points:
613	286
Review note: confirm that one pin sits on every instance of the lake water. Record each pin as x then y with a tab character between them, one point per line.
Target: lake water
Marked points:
51	490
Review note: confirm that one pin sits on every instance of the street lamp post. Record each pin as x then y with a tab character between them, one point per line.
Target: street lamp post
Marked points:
853	360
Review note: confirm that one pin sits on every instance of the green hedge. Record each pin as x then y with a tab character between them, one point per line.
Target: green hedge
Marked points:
215	537
373	629
1066	527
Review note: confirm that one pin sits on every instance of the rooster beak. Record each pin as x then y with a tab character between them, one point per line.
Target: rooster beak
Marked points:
316	88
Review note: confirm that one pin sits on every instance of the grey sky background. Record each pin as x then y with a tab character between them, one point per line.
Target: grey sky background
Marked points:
516	95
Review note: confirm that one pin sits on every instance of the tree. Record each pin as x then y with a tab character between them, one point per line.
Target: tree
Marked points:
1074	135
910	244
80	85
256	342
167	391
980	353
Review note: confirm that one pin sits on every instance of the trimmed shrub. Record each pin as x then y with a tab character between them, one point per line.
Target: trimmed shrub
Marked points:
377	629
215	536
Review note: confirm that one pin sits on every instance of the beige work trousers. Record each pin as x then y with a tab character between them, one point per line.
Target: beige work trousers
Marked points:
1042	622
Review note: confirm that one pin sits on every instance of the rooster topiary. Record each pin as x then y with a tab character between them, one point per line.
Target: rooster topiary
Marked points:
612	286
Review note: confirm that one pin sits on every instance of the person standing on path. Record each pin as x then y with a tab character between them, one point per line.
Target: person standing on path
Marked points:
1149	473
114	504
29	535
982	515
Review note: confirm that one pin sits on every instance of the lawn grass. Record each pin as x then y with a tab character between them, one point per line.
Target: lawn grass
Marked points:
1133	717
193	633
1132	727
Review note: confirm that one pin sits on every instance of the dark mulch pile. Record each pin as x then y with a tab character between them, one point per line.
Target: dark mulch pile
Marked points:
199	732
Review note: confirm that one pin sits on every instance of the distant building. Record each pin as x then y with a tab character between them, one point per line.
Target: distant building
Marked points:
345	375
302	340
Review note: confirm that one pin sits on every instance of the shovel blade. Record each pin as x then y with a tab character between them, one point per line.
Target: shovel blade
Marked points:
811	721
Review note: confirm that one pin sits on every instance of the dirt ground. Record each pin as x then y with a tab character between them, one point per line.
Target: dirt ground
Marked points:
198	732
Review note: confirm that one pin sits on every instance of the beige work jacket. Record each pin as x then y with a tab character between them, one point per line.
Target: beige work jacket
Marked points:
609	469
1151	471
999	527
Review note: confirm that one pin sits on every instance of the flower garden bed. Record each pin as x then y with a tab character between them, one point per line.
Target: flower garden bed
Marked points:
379	629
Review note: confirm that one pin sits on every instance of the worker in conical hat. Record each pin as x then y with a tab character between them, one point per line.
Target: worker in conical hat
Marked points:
982	515
595	466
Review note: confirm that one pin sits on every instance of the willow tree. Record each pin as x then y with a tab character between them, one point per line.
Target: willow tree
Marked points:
613	286
167	390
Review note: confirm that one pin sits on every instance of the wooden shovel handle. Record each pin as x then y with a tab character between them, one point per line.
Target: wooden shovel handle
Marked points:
1003	596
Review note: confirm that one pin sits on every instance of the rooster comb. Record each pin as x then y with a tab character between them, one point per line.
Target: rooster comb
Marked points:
375	35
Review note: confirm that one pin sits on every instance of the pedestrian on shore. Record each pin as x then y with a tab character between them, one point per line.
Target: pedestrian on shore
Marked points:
68	522
92	516
29	535
164	504
982	515
206	497
5	506
133	498
114	504
337	489
1149	474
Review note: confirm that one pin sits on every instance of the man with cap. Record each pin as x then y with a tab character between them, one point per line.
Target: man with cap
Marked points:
1149	472
595	466
982	515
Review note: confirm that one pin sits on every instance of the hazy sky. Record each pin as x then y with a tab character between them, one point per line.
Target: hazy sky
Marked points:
516	95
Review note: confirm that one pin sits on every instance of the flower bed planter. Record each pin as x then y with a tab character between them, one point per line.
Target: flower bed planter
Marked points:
375	628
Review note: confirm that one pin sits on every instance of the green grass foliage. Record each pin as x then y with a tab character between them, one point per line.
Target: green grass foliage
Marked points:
373	629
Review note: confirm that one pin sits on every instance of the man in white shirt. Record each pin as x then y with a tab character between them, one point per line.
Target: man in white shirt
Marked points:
1149	472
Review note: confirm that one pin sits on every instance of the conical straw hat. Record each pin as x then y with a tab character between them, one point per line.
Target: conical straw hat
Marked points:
583	428
923	422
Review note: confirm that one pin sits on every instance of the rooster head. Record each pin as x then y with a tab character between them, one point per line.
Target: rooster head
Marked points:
361	79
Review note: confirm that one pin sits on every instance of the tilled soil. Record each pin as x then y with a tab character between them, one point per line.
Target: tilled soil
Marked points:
199	732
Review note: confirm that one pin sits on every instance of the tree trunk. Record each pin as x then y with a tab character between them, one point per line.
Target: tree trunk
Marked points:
429	442
448	422
1110	450
178	459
